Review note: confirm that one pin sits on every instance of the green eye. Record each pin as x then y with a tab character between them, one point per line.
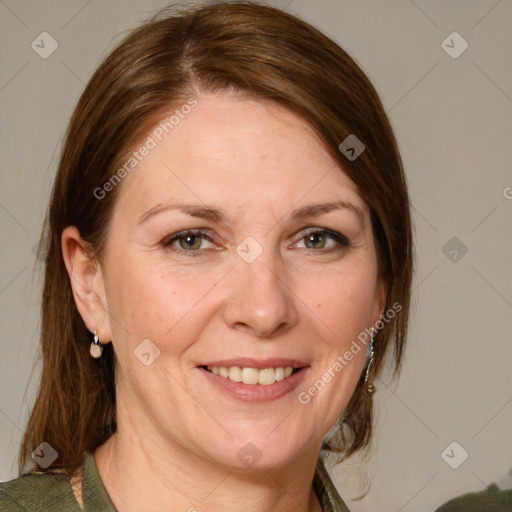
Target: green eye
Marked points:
319	239
190	241
314	239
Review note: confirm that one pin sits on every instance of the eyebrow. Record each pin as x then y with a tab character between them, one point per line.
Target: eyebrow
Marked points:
220	215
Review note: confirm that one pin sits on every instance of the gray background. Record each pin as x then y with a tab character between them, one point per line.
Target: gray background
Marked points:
453	119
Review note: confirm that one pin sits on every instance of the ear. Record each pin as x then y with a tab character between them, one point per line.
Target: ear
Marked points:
87	283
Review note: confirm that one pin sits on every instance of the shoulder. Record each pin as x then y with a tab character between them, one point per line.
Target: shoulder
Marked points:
37	492
490	500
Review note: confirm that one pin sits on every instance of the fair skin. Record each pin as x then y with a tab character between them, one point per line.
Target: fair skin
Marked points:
181	432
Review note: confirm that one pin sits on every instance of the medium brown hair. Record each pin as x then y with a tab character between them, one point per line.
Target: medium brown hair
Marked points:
252	49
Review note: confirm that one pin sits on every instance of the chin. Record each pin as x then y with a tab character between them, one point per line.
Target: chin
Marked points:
261	453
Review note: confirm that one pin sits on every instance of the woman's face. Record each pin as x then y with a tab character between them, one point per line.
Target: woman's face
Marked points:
267	280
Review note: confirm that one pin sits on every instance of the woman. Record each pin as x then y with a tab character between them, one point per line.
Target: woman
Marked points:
229	261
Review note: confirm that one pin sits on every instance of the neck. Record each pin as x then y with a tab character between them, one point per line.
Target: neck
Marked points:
142	475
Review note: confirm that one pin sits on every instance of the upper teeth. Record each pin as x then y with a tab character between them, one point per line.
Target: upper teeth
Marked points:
265	376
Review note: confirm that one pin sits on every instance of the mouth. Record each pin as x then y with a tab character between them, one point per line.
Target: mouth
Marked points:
252	376
253	380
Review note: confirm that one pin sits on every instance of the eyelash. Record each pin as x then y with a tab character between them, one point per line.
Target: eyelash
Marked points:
339	238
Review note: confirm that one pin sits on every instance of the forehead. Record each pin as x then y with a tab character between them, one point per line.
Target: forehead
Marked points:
237	152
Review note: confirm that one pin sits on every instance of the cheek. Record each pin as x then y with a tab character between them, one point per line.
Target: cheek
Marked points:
148	302
342	311
343	305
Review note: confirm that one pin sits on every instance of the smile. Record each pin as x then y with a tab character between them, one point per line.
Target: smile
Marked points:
255	380
254	376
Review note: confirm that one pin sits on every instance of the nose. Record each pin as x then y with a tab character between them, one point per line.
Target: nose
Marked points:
261	302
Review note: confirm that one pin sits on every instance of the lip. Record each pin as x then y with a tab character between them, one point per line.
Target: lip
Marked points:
256	393
260	364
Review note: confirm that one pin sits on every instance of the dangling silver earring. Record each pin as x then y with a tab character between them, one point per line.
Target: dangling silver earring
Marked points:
96	348
370	387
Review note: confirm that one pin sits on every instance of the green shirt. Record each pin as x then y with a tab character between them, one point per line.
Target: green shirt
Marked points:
51	492
490	500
